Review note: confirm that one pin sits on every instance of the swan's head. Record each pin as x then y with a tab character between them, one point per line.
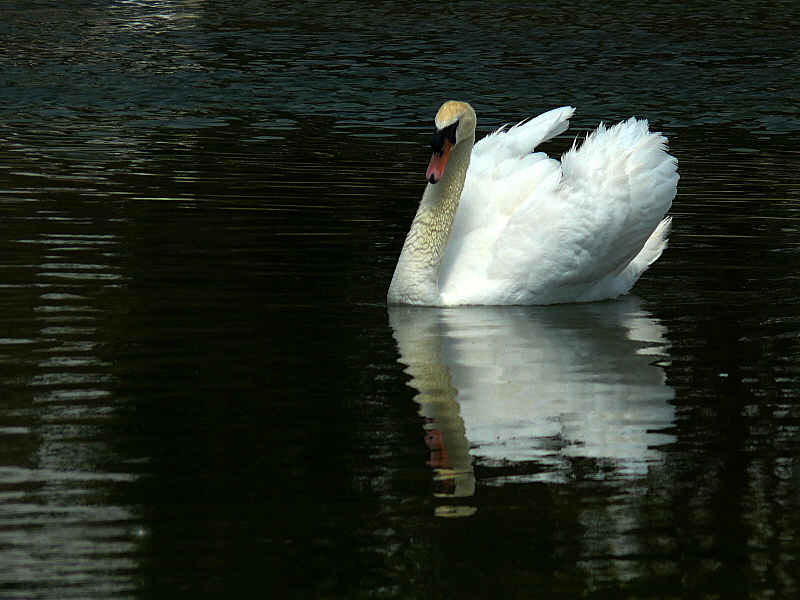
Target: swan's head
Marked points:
455	123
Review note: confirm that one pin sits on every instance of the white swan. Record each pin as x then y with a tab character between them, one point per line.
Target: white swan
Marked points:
501	224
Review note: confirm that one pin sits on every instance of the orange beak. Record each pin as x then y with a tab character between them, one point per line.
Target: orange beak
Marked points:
438	163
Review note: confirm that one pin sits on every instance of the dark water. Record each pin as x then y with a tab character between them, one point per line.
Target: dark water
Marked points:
201	204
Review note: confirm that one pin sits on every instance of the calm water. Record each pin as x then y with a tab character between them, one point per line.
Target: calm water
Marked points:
203	394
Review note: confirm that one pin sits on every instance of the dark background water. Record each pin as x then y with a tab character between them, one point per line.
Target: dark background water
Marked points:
201	203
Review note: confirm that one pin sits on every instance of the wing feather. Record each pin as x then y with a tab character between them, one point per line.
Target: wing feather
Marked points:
614	191
531	229
504	170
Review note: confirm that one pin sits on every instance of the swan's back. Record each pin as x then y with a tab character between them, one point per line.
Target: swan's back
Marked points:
533	230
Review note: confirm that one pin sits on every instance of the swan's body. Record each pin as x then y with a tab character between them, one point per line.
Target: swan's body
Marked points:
500	224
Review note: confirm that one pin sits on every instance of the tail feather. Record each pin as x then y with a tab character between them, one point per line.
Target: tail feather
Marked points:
655	245
649	254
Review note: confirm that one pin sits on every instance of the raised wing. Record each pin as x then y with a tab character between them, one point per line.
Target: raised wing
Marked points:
504	171
614	190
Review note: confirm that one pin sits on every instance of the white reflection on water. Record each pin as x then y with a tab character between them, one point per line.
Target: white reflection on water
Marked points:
537	384
66	527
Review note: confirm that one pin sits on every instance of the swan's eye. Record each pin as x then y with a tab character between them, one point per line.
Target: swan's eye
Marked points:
440	135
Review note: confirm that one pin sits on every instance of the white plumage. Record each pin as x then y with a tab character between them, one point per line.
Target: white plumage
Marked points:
506	225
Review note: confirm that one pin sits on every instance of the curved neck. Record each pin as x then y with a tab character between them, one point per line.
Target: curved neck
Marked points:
416	277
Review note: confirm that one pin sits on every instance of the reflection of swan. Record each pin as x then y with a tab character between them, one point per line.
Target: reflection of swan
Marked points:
545	384
499	224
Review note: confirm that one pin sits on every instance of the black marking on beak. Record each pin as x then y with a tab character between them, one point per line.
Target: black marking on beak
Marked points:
440	135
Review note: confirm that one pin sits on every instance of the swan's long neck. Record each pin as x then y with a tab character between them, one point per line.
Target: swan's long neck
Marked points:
416	277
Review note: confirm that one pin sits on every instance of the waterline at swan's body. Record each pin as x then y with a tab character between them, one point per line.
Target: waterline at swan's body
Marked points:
501	224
